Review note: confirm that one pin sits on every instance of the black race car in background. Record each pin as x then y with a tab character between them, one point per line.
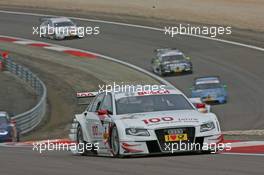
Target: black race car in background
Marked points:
169	60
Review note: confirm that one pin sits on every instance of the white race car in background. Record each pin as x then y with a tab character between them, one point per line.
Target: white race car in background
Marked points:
144	122
59	28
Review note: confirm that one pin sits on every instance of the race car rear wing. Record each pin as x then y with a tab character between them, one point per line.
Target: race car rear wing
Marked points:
86	94
84	98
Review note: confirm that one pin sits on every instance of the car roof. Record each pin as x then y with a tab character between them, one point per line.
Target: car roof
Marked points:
207	80
60	19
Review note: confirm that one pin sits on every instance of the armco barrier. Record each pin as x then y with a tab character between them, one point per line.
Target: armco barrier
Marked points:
28	120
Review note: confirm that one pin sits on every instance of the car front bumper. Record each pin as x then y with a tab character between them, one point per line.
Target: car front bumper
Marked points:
205	143
5	138
219	99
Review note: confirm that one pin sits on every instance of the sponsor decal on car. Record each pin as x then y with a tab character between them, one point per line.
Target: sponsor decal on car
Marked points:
159	120
159	92
176	137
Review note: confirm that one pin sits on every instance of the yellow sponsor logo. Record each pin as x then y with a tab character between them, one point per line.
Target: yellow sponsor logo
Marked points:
176	137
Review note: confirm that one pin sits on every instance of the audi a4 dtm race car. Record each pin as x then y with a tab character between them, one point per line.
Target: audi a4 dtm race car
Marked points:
209	89
169	61
58	28
143	122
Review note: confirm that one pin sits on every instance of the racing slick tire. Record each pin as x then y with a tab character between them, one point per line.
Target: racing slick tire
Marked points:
80	140
18	137
114	142
161	73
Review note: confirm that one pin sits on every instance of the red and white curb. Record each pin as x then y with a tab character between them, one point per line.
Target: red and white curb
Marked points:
66	50
78	53
245	147
255	148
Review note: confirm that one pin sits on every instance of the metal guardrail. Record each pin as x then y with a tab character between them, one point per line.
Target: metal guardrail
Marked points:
28	120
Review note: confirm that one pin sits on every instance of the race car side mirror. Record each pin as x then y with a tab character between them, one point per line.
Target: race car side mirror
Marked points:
188	58
13	121
102	112
201	107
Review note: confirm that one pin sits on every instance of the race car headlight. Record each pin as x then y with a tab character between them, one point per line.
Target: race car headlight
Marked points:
207	127
137	132
3	132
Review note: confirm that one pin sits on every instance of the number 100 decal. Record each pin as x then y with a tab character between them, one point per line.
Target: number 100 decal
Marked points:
157	120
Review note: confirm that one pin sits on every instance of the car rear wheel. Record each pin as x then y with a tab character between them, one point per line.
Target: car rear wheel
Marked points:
115	144
81	143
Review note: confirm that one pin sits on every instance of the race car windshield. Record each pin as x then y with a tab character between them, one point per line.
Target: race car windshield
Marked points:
3	120
208	86
173	58
151	103
62	24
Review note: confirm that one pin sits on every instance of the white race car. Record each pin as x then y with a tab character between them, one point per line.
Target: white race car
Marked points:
59	28
125	123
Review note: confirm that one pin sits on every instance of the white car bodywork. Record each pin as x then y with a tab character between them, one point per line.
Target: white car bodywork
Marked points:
58	28
97	129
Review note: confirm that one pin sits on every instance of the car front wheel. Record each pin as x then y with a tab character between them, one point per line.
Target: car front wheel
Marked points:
115	144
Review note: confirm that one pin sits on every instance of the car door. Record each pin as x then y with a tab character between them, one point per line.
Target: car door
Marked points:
92	119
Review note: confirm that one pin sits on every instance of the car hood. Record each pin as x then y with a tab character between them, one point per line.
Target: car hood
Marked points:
154	120
206	92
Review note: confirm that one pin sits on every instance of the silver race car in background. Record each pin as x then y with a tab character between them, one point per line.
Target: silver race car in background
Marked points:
126	123
8	128
59	28
169	61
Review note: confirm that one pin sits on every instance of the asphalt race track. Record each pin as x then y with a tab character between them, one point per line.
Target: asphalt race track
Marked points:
240	68
61	163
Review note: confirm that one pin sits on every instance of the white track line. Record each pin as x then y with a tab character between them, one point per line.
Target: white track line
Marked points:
247	144
24	42
137	26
